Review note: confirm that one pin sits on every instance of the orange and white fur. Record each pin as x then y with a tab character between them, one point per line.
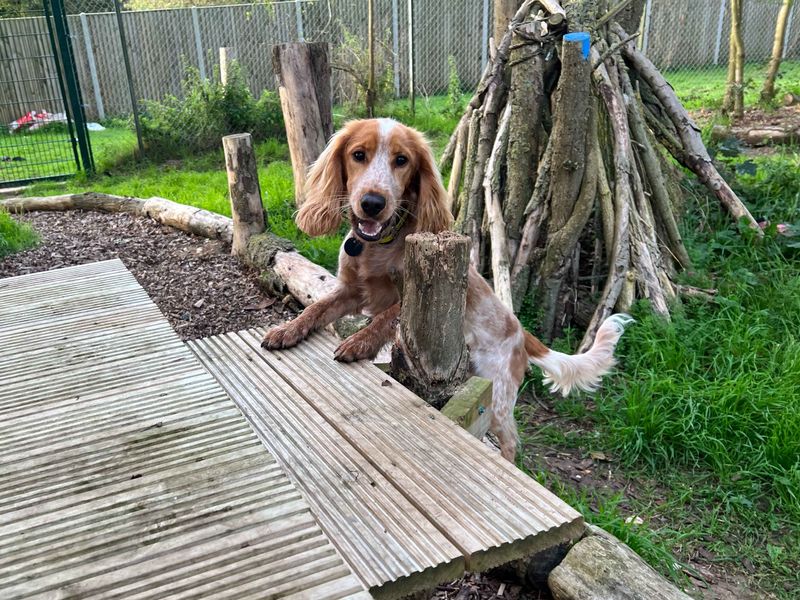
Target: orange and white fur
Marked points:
382	176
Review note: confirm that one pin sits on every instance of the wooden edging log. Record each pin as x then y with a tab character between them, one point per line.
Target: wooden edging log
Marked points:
600	567
180	216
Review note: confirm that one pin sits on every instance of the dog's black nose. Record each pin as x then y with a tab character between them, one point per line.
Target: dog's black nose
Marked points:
372	204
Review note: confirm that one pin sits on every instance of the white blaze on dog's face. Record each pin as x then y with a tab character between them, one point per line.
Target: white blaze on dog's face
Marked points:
379	160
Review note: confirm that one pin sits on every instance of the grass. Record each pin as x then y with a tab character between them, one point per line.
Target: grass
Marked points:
705	410
201	180
704	87
15	236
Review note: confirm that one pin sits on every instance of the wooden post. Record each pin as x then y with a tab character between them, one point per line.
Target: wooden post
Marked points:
303	75
226	56
430	355
245	192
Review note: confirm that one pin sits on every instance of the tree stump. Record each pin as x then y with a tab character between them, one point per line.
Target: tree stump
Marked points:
245	191
430	356
303	75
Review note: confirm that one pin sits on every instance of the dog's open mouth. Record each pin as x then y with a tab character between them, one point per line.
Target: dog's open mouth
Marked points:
369	230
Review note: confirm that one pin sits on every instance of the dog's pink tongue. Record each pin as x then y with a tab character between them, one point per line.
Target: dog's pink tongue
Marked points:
369	227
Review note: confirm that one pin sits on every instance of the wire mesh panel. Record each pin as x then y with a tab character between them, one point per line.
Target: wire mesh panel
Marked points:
35	139
689	41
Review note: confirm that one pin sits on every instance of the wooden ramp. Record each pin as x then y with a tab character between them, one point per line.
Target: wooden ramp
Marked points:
408	497
126	471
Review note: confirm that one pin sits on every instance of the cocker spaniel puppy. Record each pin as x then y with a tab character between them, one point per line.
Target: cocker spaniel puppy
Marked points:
381	175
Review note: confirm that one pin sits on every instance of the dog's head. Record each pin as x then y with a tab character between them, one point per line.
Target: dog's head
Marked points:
376	171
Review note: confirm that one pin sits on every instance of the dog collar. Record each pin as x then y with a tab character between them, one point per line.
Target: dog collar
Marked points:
392	234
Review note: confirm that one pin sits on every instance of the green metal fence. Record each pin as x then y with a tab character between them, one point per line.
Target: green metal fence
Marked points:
45	133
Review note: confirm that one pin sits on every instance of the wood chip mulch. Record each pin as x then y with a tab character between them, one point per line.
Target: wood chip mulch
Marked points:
195	282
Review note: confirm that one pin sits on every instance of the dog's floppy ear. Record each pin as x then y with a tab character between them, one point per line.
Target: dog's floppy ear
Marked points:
433	203
325	190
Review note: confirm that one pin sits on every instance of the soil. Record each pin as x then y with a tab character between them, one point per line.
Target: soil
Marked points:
197	284
204	291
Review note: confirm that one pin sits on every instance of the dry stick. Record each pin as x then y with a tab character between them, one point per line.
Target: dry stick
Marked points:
497	226
485	96
652	168
458	161
645	249
606	200
623	199
448	156
469	167
535	214
695	154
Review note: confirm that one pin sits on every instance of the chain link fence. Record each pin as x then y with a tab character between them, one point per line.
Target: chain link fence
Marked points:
688	41
173	53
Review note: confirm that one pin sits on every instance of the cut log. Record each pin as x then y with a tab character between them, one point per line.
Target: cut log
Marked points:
764	136
430	355
303	75
600	567
226	57
244	189
180	216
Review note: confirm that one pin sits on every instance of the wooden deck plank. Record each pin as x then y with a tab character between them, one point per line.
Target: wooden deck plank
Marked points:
386	540
125	469
488	508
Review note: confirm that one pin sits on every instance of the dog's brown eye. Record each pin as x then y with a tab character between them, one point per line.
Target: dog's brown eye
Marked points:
359	156
400	160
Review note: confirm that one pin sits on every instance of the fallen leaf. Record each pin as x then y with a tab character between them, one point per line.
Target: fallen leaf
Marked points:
634	520
199	303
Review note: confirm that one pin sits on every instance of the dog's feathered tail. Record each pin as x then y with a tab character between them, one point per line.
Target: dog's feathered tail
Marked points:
565	372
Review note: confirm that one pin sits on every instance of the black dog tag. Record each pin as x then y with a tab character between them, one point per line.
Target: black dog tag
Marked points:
353	247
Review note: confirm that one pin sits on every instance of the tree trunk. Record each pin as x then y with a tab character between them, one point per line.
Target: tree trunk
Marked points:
768	91
430	356
245	192
733	103
303	74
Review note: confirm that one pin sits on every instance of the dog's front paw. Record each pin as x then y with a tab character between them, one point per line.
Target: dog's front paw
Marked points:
357	347
284	336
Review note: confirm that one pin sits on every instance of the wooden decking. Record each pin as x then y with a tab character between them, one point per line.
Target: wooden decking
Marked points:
128	471
125	470
407	496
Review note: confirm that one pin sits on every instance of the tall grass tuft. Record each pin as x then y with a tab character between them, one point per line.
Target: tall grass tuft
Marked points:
15	236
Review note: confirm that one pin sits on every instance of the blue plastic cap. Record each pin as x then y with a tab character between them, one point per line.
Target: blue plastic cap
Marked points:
584	38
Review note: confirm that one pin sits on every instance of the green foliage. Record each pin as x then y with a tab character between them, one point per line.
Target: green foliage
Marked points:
209	110
352	58
455	96
15	236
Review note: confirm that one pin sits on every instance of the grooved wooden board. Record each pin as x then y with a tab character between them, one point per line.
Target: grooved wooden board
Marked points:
125	470
332	424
